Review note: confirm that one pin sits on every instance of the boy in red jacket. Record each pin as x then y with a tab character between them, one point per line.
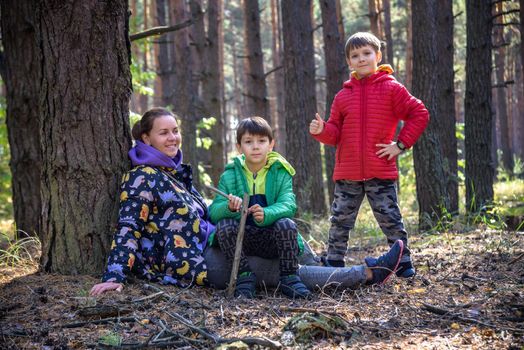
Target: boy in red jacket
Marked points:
362	123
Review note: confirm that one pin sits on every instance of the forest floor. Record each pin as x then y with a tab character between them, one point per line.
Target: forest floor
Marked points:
468	294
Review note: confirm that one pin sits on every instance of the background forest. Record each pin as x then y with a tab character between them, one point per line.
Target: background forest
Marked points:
75	75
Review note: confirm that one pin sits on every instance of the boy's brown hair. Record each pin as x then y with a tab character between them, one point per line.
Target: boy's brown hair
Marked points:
254	126
360	39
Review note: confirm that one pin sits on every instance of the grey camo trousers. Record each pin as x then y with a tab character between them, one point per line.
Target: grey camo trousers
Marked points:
382	197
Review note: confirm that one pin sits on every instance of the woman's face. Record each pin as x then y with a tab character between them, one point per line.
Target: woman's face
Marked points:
164	136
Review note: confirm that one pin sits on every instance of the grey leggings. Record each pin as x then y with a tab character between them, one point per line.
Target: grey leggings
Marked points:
268	274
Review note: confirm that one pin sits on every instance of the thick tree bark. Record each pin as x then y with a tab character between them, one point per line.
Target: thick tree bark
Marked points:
85	134
302	150
164	71
428	159
255	89
387	31
502	108
445	105
185	95
336	73
478	113
22	80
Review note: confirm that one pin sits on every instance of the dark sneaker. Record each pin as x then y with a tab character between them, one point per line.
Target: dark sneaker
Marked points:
406	269
385	265
292	287
246	286
332	263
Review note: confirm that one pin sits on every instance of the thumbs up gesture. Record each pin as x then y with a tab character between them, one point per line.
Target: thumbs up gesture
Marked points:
317	125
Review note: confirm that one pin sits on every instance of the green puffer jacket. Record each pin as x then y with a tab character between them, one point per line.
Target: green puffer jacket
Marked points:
281	202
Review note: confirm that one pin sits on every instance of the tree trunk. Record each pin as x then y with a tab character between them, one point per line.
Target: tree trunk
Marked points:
478	113
84	130
279	121
336	73
212	93
502	108
302	150
340	22
409	47
143	98
387	31
255	89
445	104
428	160
374	21
22	81
163	69
185	90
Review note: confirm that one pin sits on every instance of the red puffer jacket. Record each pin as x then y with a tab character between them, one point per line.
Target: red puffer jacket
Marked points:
364	113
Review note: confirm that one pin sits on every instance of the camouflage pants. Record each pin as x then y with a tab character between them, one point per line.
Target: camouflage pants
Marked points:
382	197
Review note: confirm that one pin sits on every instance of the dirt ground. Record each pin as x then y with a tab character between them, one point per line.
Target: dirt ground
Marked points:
468	294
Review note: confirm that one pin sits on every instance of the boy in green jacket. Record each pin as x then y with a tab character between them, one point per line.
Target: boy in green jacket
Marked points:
270	232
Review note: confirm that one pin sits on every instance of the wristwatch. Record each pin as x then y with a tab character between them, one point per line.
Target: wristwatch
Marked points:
401	146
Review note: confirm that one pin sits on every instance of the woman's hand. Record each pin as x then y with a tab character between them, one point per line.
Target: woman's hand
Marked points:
390	150
317	125
235	203
258	213
103	287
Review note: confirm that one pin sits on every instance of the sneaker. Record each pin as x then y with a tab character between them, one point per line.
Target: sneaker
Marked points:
246	286
385	265
292	287
406	269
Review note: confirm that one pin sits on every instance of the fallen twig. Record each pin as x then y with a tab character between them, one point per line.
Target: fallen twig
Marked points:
102	321
516	259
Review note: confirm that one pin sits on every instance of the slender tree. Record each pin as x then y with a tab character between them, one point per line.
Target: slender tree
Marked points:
336	73
255	89
279	121
84	128
163	69
427	154
387	31
374	18
302	150
22	79
478	113
185	92
445	104
501	101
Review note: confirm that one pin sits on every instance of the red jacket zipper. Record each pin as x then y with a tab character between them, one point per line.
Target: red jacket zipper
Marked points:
362	126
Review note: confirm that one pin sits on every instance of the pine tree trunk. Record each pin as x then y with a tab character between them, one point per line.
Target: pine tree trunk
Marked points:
144	99
163	69
387	31
374	21
302	150
336	73
445	105
478	112
279	121
185	89
85	132
409	47
212	88
255	89
340	22
502	108
428	160
22	82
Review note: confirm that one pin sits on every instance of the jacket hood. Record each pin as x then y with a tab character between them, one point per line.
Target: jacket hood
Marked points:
384	72
142	154
272	158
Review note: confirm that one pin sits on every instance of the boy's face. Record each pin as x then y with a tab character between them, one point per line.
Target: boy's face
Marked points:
364	60
255	148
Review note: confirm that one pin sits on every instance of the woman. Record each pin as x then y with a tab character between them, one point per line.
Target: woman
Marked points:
163	221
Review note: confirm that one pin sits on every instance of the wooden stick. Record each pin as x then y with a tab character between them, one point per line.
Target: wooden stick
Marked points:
217	191
238	247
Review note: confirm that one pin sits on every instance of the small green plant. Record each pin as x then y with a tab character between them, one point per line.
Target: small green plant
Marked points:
110	339
20	252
